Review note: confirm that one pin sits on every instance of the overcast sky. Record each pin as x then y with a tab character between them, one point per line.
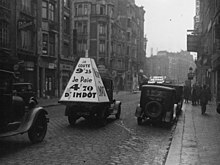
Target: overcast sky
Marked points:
166	23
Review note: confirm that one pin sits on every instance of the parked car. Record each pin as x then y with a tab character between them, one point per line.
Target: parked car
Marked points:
157	104
25	90
15	116
179	96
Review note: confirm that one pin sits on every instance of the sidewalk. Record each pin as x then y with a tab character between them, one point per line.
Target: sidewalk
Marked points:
54	101
196	139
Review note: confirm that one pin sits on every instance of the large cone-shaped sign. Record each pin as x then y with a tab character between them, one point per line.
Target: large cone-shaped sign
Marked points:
85	84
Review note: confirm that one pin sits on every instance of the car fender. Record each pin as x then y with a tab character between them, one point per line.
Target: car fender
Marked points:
168	117
30	118
138	111
117	104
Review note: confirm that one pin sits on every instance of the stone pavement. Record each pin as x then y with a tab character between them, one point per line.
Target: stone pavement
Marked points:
196	139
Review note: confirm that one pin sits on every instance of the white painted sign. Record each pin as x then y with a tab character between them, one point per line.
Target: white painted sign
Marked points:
85	84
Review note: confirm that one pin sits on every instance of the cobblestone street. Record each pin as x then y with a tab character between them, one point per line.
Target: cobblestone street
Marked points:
120	142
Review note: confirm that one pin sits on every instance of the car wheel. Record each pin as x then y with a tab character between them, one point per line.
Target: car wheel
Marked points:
72	119
38	130
153	109
118	114
103	118
139	120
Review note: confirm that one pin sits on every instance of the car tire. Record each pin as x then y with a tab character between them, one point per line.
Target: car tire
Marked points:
38	130
118	114
72	119
103	118
153	109
139	120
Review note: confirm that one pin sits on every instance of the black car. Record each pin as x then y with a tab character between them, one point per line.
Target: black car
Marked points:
157	103
24	90
15	116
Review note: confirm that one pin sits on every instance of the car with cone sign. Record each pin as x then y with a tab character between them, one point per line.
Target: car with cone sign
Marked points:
89	95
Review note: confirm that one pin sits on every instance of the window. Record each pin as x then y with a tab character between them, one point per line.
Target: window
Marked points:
25	38
66	50
81	27
26	6
5	3
129	22
102	46
82	45
102	10
45	44
51	12
4	34
66	3
52	44
66	24
93	9
81	9
128	36
44	9
102	28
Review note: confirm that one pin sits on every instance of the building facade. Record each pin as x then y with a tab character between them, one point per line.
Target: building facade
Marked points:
174	66
42	40
206	42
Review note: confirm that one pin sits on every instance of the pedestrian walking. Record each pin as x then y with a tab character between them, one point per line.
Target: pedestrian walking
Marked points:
186	94
209	94
204	99
194	95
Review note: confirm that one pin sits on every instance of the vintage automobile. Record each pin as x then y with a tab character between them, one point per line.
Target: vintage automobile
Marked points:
24	90
157	104
179	96
15	116
95	111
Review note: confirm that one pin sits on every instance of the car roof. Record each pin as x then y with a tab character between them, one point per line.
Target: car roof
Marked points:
158	86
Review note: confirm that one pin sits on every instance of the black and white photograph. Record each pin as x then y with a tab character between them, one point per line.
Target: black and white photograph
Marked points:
109	82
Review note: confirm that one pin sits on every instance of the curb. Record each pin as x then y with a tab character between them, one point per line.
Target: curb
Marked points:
174	153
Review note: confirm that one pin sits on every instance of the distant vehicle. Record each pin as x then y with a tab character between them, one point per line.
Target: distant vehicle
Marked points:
156	79
24	90
157	104
89	95
17	117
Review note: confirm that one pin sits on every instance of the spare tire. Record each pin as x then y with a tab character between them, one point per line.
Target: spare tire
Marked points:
153	109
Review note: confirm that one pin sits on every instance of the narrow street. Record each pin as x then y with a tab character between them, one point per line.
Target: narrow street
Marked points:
120	142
